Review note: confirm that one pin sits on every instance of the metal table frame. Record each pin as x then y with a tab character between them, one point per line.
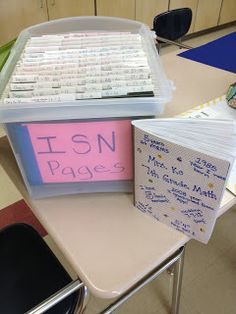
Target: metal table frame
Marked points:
176	261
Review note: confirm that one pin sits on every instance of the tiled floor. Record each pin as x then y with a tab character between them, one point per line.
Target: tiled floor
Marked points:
209	283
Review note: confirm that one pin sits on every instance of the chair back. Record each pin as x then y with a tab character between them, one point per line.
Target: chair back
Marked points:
30	272
173	24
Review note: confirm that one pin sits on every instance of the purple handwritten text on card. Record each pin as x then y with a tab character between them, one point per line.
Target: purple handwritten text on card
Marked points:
83	151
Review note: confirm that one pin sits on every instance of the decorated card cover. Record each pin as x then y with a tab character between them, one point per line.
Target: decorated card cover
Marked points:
176	183
74	151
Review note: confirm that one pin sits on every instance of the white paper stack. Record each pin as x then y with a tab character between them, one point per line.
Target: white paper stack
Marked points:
82	65
181	170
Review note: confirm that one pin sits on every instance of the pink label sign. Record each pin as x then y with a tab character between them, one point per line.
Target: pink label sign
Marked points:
83	151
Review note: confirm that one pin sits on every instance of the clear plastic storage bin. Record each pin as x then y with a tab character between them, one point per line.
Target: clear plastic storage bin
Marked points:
84	145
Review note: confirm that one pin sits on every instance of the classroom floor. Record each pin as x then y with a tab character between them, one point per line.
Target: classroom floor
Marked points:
209	283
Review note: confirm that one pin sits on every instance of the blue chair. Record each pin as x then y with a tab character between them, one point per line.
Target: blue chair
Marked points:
172	25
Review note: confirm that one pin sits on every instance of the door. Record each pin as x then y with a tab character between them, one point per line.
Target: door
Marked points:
16	15
118	8
146	10
207	14
66	8
228	11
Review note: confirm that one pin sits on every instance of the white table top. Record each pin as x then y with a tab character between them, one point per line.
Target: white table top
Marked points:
196	83
110	244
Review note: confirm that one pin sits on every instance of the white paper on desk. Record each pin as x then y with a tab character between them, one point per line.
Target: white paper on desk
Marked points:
177	181
216	109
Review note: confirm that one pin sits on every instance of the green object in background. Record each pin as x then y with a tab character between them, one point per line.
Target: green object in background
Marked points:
4	52
231	96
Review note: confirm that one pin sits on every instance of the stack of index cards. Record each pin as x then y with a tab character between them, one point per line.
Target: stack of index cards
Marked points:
82	65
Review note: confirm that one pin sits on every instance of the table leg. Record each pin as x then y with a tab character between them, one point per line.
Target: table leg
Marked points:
175	259
178	274
82	306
